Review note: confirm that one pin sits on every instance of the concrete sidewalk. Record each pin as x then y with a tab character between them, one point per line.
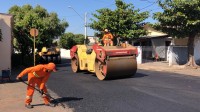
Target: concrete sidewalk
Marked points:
12	97
163	66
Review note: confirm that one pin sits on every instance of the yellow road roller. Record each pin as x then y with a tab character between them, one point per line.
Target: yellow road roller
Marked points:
51	54
107	62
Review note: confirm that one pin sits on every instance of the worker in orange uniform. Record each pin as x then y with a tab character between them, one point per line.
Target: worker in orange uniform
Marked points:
37	75
107	38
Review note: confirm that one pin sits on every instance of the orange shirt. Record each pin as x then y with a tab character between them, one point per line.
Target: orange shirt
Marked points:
36	72
107	36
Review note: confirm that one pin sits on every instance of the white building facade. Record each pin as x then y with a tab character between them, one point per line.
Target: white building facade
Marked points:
6	42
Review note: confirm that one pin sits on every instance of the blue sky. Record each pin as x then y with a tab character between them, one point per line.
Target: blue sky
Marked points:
75	15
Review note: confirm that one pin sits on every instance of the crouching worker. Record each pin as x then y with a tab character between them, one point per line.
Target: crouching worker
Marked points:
37	75
107	38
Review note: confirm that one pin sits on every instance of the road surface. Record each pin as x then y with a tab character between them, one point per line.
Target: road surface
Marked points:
147	91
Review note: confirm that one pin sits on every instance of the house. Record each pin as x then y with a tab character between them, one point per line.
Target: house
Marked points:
158	46
154	45
5	43
92	39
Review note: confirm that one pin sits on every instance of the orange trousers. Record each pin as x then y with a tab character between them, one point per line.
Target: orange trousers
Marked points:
33	81
108	42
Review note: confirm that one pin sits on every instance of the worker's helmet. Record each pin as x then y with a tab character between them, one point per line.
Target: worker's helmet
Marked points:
106	30
51	66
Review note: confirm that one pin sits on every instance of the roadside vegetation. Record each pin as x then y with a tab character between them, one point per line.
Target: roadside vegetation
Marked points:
27	17
179	19
125	21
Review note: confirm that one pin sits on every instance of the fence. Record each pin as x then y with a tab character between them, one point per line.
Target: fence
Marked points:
178	55
174	55
150	53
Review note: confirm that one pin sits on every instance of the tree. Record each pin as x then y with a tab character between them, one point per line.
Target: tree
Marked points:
27	17
79	38
68	40
124	21
180	18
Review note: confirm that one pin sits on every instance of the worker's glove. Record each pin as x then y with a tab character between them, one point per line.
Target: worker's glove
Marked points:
41	92
19	79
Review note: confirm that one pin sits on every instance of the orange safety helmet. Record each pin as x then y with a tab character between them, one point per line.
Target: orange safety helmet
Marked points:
51	66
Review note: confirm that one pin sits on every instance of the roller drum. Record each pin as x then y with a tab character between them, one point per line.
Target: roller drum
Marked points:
116	67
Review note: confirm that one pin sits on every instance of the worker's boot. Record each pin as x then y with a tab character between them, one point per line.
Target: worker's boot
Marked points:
29	106
50	104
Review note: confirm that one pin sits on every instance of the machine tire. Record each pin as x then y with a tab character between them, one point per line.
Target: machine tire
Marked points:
49	59
59	58
55	59
98	69
45	59
75	64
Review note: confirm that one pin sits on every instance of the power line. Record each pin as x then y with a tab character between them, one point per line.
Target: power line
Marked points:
148	1
76	12
147	6
155	9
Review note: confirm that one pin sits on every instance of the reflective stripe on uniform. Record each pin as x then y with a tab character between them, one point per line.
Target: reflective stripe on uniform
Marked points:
107	38
28	97
36	75
45	95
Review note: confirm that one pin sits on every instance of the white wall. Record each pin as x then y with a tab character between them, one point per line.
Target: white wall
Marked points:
139	57
65	53
5	43
197	50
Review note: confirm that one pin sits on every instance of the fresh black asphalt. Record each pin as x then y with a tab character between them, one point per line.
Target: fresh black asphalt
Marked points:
147	91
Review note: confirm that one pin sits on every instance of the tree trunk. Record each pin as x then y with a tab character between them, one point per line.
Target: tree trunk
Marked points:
191	61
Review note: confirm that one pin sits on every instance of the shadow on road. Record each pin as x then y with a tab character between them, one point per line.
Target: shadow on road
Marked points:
66	99
138	75
61	100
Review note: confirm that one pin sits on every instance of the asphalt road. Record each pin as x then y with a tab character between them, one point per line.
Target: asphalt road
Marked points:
147	91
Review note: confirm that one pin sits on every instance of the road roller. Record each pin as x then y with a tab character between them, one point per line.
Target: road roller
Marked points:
107	62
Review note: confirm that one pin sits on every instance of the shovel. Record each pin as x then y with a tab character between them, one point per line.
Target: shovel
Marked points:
44	94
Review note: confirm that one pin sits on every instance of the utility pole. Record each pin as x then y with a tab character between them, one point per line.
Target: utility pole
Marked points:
85	21
34	33
85	28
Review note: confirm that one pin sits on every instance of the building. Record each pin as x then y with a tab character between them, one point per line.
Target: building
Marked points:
5	43
165	48
154	45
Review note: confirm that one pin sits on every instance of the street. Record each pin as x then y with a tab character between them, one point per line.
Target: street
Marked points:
147	91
